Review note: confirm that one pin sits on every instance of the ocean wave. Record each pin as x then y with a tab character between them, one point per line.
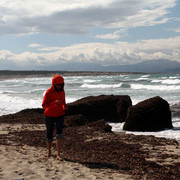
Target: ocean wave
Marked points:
35	91
141	79
71	99
9	92
125	85
156	87
167	81
171	81
94	86
145	76
173	77
90	80
156	81
13	104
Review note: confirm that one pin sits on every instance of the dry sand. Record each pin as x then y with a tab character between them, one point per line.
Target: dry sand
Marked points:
31	163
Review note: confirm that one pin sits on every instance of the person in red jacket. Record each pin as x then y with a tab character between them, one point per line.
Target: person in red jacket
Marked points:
55	106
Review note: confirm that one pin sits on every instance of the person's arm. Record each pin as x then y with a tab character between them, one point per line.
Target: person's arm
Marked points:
47	101
65	107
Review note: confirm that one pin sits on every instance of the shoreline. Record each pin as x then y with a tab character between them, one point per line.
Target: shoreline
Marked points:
12	74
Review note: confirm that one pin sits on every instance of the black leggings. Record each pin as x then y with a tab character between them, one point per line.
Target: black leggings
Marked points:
49	122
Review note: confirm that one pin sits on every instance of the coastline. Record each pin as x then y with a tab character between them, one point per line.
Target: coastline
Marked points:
128	156
7	74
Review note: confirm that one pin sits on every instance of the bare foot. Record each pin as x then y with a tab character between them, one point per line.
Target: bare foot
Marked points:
59	158
49	154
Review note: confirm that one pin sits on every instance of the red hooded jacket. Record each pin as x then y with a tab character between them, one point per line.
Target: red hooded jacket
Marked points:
54	102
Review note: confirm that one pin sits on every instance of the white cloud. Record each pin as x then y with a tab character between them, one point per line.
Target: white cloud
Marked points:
34	45
77	16
102	53
41	47
114	35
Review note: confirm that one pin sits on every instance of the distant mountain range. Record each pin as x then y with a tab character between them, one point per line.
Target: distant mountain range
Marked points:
153	66
161	65
150	66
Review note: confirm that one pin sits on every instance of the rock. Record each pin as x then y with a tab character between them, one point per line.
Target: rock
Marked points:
108	107
93	108
28	116
150	115
100	125
75	120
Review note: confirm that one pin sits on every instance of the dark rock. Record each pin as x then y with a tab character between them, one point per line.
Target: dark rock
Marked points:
93	108
27	116
150	115
107	107
75	120
100	125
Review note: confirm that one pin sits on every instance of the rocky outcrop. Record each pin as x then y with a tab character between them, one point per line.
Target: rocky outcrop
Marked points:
93	108
150	115
108	107
26	116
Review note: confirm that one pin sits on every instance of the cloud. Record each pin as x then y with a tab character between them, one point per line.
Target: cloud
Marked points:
99	53
34	45
41	47
114	35
77	17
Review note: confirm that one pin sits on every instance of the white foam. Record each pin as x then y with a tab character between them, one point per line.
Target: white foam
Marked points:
171	81
169	133
26	81
172	77
90	81
145	76
141	79
94	86
12	104
70	100
156	81
156	87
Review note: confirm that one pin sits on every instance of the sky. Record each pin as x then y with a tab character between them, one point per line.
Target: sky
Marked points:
37	34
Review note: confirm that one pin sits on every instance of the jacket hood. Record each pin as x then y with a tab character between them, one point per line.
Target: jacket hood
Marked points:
57	79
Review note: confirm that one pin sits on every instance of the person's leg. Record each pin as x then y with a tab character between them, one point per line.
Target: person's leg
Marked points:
59	135
49	133
58	147
49	145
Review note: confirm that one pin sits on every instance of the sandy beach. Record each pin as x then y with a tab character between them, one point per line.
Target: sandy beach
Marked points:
95	155
29	162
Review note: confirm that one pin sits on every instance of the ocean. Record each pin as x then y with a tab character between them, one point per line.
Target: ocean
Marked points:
23	92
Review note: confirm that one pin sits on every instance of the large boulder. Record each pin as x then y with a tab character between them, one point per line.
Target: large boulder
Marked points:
150	115
108	107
